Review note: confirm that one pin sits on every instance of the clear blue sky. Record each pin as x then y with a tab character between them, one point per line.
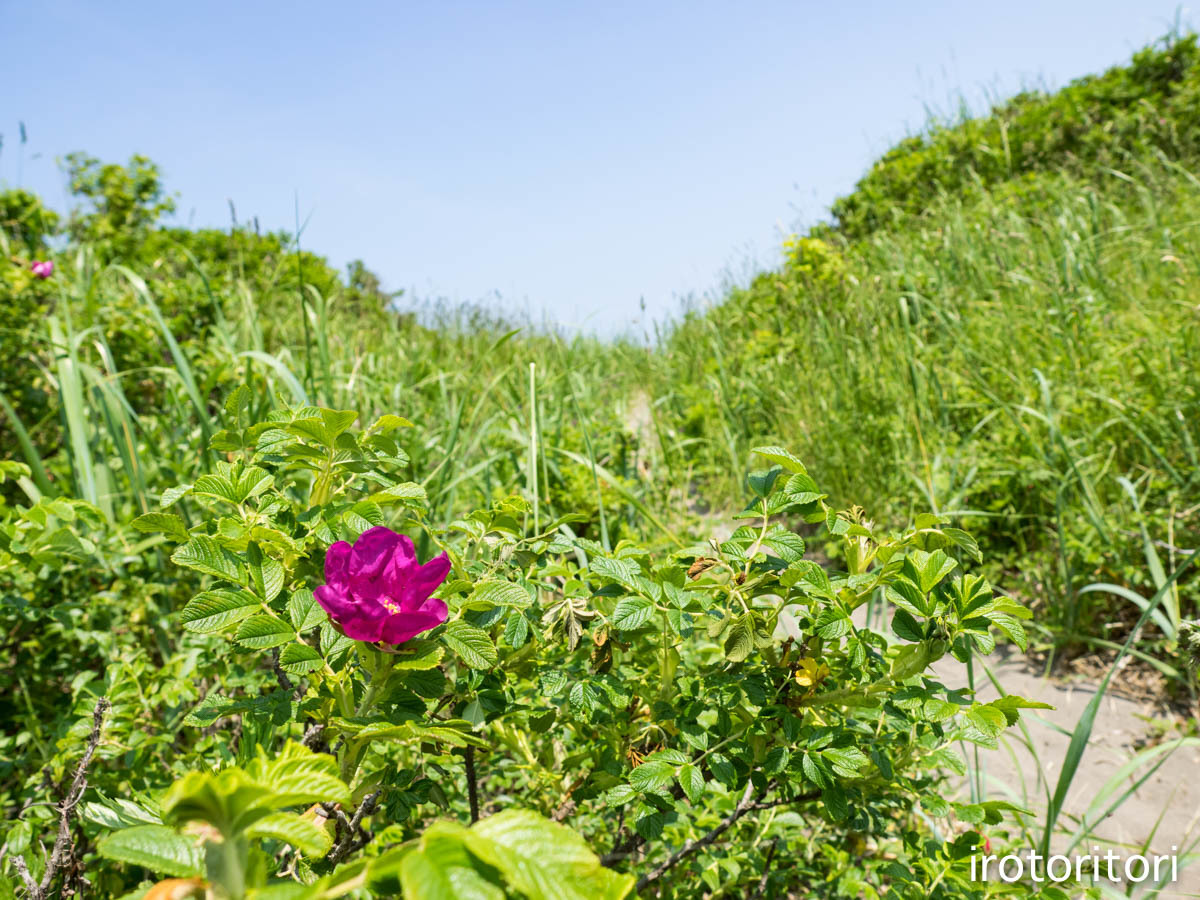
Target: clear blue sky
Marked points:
570	157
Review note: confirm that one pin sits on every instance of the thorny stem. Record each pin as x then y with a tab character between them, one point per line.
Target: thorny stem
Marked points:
472	784
351	835
63	848
762	882
744	806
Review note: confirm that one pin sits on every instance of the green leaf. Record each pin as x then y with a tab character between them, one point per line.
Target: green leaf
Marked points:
739	644
300	776
809	577
722	769
938	710
299	659
154	847
167	523
785	545
761	482
846	761
266	574
408	491
693	735
930	568
988	721
388	423
1012	628
542	722
494	592
262	631
438	868
632	613
205	555
780	456
935	805
692	782
304	834
835	802
812	771
833	623
232	486
473	645
905	627
553	682
427	683
304	611
378	729
915	658
947	758
965	541
114	813
323	428
212	611
907	596
516	630
1010	704
543	860
971	813
620	794
217	486
973	596
649	824
584	698
777	760
226	441
801	489
334	644
651	774
418	655
338	420
171	496
237	400
622	571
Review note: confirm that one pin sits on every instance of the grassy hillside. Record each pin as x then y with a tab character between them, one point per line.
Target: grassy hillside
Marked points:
1007	336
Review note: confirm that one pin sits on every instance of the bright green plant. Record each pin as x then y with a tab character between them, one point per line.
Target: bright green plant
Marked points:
655	702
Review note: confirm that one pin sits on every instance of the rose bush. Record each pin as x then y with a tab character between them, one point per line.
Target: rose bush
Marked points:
530	714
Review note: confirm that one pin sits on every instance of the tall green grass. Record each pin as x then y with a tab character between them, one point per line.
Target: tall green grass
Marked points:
1028	360
488	427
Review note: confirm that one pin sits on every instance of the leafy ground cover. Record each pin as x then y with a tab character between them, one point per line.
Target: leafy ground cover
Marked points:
223	462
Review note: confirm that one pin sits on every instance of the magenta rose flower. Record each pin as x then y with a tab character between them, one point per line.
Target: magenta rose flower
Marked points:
377	591
42	268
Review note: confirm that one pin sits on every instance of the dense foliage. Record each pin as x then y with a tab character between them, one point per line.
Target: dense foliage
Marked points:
628	693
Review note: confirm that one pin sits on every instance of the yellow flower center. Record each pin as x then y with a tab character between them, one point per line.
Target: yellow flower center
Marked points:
389	604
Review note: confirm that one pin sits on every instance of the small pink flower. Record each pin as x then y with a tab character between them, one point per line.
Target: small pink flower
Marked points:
42	268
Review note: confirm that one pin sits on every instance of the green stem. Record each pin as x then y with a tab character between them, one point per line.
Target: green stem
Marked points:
345	696
378	679
353	750
664	686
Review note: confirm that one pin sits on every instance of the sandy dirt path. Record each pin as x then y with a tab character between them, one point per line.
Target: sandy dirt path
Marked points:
1163	811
